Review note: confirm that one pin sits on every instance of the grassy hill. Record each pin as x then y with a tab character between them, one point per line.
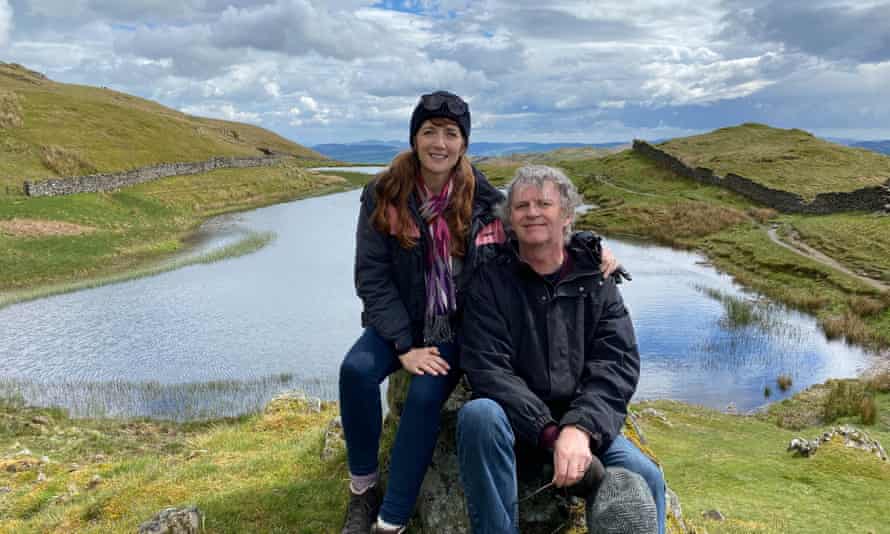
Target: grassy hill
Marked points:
52	129
788	160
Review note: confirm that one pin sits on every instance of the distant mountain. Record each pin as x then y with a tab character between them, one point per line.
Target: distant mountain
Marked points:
373	151
882	147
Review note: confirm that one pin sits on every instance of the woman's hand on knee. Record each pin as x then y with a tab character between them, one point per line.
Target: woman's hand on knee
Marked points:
424	361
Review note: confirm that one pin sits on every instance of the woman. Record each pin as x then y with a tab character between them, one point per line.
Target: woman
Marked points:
425	224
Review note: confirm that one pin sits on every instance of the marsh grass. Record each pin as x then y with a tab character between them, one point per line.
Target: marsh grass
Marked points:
850	398
192	401
740	313
248	244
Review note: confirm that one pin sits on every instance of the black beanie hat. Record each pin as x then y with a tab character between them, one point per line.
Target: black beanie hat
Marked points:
451	107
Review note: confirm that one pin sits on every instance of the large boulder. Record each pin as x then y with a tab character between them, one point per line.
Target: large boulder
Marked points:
440	505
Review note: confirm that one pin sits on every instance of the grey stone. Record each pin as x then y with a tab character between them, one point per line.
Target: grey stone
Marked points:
5	489
41	420
334	440
174	521
94	482
713	515
41	477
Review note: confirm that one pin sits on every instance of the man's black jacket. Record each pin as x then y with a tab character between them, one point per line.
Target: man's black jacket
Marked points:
563	354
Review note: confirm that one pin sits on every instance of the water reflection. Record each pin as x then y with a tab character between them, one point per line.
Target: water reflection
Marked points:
290	310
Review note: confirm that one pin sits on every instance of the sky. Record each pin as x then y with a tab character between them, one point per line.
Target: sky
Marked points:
561	71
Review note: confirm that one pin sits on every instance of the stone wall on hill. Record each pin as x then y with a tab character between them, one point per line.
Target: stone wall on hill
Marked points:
111	181
866	199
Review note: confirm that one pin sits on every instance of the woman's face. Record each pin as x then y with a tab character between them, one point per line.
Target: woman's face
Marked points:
439	145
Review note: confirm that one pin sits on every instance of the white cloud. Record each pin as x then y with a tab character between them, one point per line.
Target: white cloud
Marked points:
335	70
5	22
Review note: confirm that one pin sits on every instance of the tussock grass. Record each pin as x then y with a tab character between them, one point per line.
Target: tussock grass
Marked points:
64	162
849	398
788	160
784	382
848	326
10	110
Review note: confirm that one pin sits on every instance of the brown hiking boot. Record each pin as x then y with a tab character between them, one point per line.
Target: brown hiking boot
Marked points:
361	511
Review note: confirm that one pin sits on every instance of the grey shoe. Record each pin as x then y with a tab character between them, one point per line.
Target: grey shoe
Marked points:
361	511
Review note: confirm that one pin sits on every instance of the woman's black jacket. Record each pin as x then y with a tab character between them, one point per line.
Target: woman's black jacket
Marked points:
563	353
390	280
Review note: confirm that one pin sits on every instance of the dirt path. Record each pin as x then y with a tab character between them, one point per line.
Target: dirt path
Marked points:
803	249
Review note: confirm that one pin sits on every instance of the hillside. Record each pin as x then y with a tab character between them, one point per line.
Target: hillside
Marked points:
52	129
789	160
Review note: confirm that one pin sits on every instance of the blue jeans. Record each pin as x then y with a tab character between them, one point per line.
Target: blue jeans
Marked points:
485	450
366	365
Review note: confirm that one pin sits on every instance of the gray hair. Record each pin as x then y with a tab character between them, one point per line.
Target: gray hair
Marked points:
537	175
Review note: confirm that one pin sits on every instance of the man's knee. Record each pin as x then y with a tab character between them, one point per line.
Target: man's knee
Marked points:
481	420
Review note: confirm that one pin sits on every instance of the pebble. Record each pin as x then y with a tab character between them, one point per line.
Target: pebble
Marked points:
713	515
41	477
95	481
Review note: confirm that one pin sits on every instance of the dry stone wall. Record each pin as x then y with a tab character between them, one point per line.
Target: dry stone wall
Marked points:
111	181
865	199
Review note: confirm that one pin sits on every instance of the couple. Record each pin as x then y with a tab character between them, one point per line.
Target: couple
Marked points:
545	340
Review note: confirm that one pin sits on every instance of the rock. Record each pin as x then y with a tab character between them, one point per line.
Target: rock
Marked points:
41	477
174	521
852	437
713	515
441	506
41	420
94	482
652	413
99	458
5	489
44	459
23	452
334	440
73	467
19	465
195	453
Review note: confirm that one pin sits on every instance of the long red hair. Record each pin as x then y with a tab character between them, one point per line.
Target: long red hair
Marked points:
398	182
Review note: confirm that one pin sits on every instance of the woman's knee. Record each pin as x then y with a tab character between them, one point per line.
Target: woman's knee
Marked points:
358	367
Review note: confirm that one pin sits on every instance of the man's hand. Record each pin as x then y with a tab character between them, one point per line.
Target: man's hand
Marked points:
424	361
571	456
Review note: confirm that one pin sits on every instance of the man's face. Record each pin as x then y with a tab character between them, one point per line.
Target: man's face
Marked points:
536	215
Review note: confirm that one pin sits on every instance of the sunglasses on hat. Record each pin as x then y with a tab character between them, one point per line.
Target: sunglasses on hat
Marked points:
435	101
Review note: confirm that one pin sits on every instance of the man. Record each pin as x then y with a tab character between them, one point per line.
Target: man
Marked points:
549	350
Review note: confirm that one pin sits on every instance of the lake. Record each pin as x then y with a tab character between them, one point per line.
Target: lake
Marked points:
222	338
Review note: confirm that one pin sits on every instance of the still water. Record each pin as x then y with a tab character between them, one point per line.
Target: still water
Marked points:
222	338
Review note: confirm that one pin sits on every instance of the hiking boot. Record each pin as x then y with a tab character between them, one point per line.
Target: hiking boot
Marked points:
361	511
377	528
590	483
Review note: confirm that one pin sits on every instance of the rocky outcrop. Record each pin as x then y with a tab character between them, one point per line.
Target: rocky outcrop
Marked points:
866	199
112	181
851	437
174	521
441	507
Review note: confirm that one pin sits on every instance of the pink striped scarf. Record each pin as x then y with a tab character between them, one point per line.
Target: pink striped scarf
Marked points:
440	294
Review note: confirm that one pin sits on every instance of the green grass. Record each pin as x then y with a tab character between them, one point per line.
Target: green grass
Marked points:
788	160
739	466
859	241
263	472
258	473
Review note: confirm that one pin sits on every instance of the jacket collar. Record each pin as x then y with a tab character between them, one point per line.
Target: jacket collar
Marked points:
584	247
